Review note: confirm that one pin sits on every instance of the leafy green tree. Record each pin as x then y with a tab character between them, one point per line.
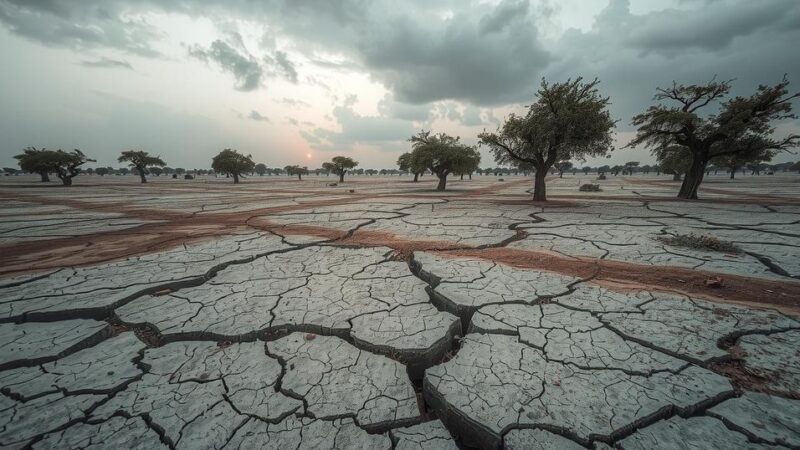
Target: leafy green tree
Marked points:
469	164
339	165
140	161
10	170
442	155
586	170
604	169
796	166
232	163
261	169
562	166
102	171
67	165
157	171
296	170
674	160
405	163
32	160
751	149
681	123
629	167
566	121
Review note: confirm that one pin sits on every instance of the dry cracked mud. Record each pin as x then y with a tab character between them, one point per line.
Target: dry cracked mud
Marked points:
380	314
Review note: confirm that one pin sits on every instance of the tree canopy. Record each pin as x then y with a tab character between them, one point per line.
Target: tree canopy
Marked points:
66	165
32	160
442	154
568	120
232	163
676	121
141	161
296	170
339	165
261	169
407	164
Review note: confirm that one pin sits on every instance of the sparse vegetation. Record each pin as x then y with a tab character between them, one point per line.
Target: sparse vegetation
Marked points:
699	242
742	125
567	121
140	161
231	163
443	154
589	187
339	165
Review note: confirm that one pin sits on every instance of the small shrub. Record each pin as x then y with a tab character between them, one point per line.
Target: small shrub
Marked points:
188	177
699	242
501	179
602	176
589	187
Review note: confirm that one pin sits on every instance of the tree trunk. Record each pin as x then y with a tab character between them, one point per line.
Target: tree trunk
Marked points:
442	183
300	176
560	174
45	177
341	177
235	178
67	181
462	177
733	173
539	187
416	177
141	175
676	176
693	178
470	176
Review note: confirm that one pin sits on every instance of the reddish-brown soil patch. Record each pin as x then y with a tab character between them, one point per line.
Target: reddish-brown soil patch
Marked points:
743	378
739	289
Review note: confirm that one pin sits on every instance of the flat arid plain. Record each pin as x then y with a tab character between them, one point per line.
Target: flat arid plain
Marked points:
379	313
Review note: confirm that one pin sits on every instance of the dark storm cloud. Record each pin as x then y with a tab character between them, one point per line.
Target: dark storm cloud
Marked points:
242	66
107	63
714	27
630	71
503	15
79	25
358	129
476	54
455	60
284	66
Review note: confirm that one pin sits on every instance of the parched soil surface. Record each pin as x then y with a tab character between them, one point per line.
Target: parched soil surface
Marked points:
380	313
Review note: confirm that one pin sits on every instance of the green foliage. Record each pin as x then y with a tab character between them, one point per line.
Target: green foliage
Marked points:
699	242
563	166
674	159
140	161
261	169
296	170
66	165
32	160
567	120
339	165
665	127
443	154
232	163
408	164
590	188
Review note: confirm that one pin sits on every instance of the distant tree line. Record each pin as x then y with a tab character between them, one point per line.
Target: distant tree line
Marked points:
566	123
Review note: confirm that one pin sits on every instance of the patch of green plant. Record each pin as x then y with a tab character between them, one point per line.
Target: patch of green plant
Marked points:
699	242
589	187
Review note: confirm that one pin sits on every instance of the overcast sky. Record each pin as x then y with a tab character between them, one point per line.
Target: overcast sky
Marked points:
300	81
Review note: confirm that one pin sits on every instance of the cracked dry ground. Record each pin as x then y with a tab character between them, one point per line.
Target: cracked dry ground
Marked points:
279	314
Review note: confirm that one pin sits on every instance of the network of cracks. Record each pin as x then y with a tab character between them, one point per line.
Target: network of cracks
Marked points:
266	341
